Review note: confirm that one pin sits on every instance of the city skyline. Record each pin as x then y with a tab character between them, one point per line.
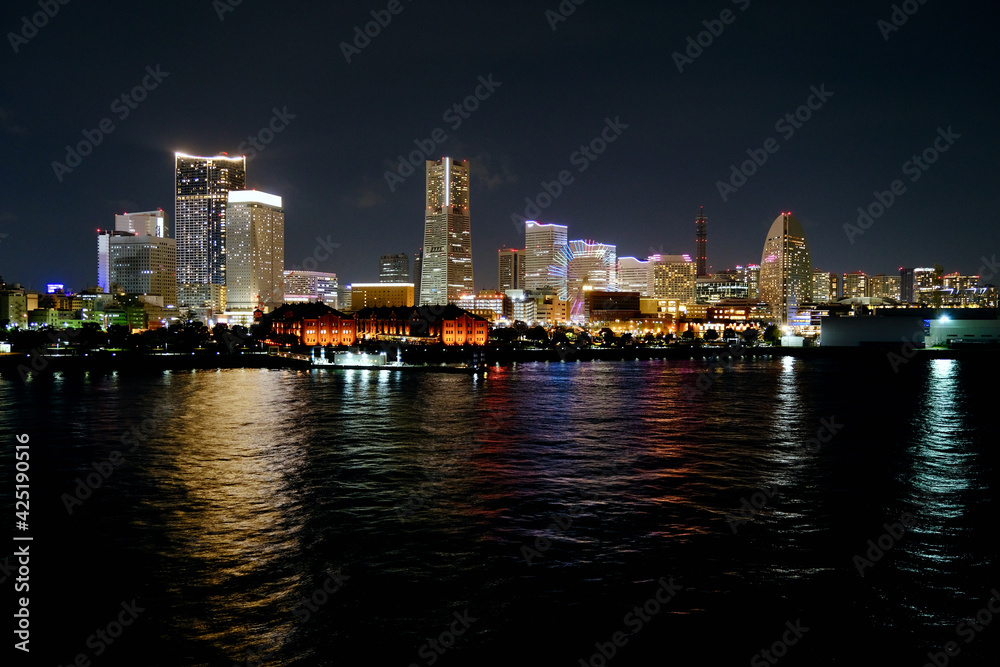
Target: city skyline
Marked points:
643	189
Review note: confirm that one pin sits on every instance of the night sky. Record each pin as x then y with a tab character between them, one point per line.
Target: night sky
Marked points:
607	60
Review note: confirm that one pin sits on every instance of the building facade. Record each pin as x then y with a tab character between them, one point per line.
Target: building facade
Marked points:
510	269
674	277
701	243
377	295
394	268
144	266
144	223
636	275
310	324
855	285
310	286
542	243
255	257
201	196
786	271
584	266
446	265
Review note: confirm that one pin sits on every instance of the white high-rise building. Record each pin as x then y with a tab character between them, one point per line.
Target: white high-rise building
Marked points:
635	275
543	244
446	266
255	257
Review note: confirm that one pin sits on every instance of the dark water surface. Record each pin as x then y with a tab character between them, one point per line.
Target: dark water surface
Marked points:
414	497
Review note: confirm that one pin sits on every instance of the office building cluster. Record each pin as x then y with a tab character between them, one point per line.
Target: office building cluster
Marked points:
226	263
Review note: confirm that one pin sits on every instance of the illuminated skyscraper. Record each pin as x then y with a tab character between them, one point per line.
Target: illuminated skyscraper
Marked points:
701	242
856	285
446	266
255	261
584	266
635	275
394	268
674	277
510	269
201	191
542	244
786	272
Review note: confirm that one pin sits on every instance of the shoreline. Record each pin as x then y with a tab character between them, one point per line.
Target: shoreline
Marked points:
434	360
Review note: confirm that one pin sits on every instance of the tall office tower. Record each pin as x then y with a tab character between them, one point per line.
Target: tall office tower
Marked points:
636	275
446	268
255	257
510	269
201	191
824	286
701	241
751	276
786	269
674	277
542	243
884	287
926	284
144	266
418	260
583	266
394	268
310	286
856	285
145	223
906	285
104	257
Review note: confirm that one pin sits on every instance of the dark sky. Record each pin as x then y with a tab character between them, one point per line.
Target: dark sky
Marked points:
606	60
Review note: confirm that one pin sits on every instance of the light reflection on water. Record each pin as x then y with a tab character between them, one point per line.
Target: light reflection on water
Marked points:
256	483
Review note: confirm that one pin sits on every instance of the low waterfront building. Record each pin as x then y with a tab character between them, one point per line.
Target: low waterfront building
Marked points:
310	323
447	325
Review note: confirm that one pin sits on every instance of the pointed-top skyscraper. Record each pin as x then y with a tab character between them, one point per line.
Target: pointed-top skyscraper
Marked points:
701	243
786	273
446	266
